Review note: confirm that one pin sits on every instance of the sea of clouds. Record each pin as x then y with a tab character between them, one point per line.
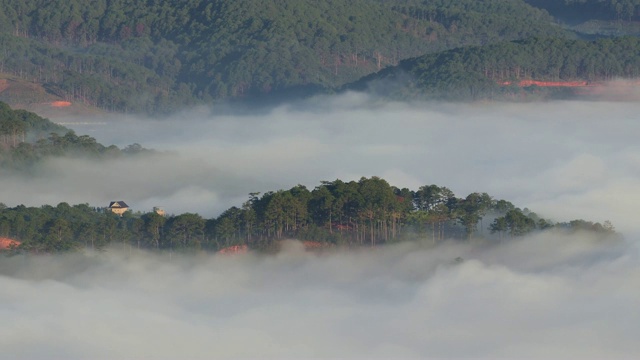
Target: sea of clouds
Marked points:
564	160
545	296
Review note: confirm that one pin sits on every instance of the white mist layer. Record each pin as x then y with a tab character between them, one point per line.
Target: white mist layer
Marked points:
546	296
564	160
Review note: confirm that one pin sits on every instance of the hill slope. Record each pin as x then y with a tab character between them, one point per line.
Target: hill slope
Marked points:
26	139
152	56
486	72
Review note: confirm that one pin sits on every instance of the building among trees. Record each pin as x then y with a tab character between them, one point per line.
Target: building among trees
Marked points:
118	207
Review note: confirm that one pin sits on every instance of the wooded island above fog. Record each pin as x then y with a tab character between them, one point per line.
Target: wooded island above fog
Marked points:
367	212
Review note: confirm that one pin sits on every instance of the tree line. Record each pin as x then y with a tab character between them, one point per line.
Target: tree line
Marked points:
26	139
151	56
480	72
367	212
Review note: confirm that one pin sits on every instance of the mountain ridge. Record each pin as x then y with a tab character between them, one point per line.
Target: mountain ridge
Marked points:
158	56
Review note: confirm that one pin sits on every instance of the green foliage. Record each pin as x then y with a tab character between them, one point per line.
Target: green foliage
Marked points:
185	230
479	72
367	212
154	56
514	222
23	142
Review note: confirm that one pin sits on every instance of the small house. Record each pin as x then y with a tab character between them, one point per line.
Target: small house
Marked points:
118	207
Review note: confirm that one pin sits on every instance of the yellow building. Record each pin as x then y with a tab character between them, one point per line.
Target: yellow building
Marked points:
158	210
118	207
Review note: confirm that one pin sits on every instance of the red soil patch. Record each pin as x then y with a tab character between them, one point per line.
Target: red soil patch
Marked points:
315	245
525	83
620	90
60	104
236	249
6	243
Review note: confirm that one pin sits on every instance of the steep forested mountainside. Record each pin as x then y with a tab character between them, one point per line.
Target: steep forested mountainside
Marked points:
126	55
495	70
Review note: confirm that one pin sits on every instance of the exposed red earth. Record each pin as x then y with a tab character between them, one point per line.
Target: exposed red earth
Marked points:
526	83
615	90
60	104
7	244
315	245
236	249
595	84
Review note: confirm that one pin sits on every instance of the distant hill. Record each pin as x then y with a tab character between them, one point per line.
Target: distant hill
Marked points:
495	71
582	10
154	56
595	18
26	139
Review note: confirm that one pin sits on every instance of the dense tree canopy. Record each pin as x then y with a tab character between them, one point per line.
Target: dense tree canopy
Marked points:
368	212
26	138
482	72
155	55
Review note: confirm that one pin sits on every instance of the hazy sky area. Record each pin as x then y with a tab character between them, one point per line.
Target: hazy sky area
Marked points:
545	296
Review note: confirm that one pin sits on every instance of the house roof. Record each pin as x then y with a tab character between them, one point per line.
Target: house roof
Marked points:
118	204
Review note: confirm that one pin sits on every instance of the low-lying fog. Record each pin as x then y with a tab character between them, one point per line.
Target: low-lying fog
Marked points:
547	296
564	160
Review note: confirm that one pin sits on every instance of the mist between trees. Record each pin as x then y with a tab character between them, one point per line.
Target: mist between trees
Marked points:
367	212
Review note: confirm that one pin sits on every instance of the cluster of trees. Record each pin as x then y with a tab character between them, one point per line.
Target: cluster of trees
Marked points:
17	126
12	130
24	155
26	138
63	227
111	77
471	22
367	212
150	56
479	72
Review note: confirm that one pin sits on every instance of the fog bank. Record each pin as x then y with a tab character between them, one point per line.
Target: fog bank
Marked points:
564	160
546	296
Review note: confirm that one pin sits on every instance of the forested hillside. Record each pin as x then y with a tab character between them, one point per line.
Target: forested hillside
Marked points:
367	212
26	139
494	70
123	55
